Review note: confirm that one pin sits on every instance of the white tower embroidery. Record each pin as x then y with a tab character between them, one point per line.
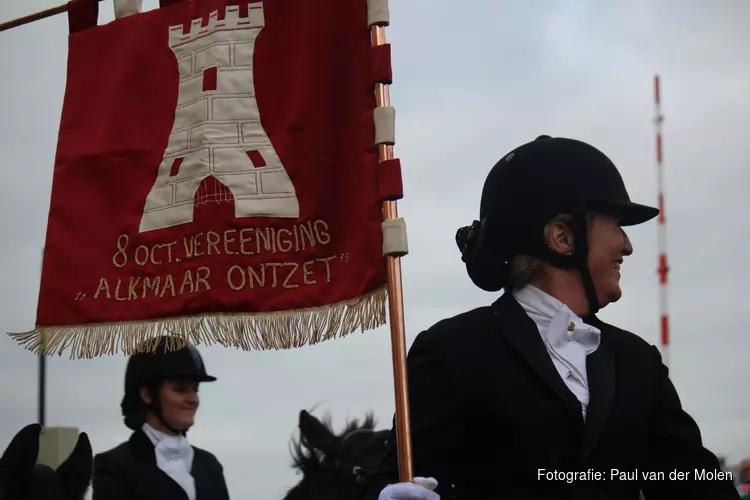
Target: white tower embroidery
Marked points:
217	130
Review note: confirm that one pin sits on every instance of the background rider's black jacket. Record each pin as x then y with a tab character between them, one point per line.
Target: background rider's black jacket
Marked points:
129	472
489	409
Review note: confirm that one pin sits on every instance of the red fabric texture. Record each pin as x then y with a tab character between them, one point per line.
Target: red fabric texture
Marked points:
313	86
390	181
381	64
82	15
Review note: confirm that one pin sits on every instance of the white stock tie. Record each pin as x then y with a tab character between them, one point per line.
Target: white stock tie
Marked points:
572	339
174	456
567	338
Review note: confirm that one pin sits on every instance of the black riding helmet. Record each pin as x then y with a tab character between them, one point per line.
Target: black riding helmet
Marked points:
525	190
172	358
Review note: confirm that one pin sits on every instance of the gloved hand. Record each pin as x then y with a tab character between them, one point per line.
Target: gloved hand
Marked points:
420	489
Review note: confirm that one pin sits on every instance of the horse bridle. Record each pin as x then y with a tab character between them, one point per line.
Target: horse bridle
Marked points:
360	473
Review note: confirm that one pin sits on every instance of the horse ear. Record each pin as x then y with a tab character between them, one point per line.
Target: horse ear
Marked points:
21	453
75	472
315	433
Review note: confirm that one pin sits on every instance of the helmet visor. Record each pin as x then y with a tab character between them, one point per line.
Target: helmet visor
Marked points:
630	214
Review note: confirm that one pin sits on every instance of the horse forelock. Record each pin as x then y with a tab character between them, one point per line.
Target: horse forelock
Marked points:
368	424
308	460
330	474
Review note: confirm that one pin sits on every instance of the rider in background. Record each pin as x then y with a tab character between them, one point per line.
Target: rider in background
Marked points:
159	406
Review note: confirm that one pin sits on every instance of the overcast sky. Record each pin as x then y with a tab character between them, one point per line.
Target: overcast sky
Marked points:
472	81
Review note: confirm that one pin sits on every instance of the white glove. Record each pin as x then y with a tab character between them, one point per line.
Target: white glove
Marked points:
420	489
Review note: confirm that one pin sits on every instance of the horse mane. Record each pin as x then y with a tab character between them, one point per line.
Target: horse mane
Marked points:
307	459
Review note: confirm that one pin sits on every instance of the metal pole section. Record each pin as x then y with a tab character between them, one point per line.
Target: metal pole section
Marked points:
395	304
663	268
42	389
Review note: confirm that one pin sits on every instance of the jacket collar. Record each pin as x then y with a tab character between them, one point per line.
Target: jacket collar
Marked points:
522	335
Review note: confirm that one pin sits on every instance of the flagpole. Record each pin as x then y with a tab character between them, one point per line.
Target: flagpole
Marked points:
395	303
42	366
42	407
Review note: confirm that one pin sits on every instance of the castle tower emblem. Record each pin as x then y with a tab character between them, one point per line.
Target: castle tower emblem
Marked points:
217	130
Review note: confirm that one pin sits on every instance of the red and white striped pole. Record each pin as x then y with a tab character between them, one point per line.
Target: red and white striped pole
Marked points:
662	227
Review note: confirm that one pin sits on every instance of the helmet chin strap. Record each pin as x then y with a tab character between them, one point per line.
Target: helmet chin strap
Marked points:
580	257
578	260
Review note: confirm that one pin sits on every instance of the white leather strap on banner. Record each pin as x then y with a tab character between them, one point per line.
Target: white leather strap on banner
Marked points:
385	125
377	13
125	8
394	238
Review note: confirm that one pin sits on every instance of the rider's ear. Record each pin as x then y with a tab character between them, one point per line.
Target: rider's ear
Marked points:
145	395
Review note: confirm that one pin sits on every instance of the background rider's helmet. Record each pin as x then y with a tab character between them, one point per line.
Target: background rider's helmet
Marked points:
525	190
172	358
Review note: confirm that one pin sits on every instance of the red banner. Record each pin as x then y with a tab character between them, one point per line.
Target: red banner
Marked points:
216	176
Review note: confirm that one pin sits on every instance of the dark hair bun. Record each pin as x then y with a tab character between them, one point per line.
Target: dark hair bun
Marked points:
485	268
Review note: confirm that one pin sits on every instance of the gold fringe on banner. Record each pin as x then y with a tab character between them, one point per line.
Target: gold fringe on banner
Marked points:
246	331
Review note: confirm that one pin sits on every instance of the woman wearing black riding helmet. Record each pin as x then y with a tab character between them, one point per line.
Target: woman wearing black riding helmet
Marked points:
534	397
159	405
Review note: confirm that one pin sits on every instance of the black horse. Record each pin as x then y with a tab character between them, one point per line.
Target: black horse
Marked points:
332	465
22	479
